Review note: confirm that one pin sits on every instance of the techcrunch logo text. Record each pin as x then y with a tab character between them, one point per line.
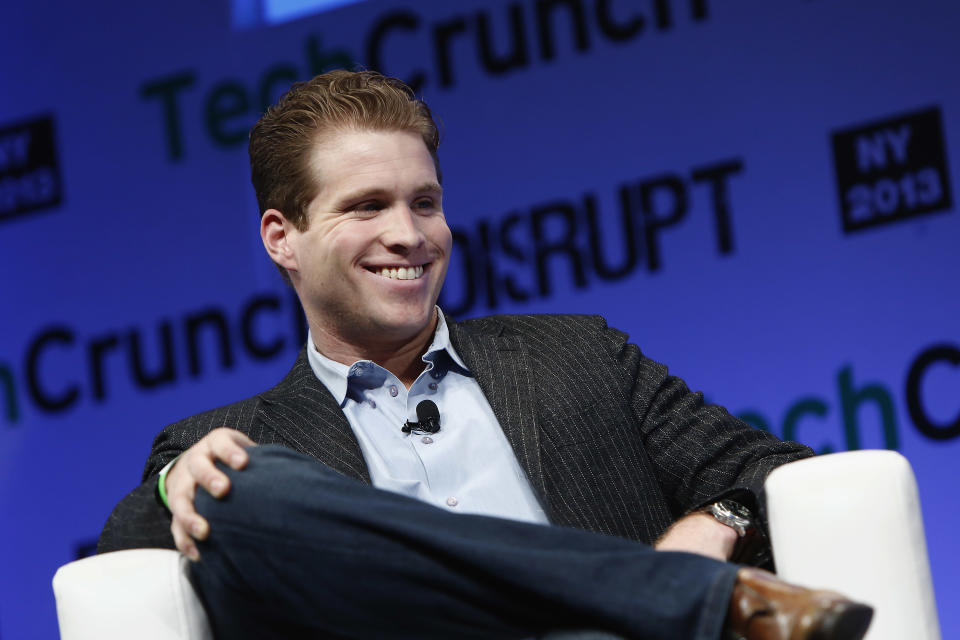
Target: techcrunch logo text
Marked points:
891	169
808	418
520	37
63	367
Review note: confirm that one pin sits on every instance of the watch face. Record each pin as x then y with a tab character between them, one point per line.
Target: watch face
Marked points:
736	509
732	514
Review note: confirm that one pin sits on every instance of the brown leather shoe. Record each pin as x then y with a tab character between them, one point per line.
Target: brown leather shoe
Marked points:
764	607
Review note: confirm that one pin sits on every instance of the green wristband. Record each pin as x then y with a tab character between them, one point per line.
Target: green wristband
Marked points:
162	482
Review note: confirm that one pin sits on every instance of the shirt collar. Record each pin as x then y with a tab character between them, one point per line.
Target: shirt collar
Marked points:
334	374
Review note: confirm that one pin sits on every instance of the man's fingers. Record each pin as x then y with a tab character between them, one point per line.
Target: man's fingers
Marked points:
204	473
181	506
184	542
199	528
230	446
197	468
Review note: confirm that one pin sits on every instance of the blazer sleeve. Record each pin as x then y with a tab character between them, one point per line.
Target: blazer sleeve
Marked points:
141	520
701	453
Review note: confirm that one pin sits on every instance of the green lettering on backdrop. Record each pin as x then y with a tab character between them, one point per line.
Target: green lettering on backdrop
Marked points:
754	419
850	402
166	89
319	61
97	351
225	102
230	107
938	353
274	82
9	393
216	320
805	406
41	396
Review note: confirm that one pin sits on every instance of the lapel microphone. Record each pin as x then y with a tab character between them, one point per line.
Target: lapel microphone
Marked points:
428	416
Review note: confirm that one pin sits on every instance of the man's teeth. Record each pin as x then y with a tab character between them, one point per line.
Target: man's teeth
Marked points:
401	273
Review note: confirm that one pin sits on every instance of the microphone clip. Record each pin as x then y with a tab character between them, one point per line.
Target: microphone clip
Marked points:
428	416
417	428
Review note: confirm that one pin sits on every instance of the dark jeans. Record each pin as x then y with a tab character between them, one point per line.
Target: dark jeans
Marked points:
298	551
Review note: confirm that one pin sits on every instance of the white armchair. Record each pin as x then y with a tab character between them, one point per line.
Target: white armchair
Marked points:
846	521
142	593
851	522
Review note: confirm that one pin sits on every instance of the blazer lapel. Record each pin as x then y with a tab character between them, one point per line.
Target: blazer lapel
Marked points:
500	366
306	416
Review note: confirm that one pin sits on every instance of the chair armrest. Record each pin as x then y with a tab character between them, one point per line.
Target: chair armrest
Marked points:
851	522
138	593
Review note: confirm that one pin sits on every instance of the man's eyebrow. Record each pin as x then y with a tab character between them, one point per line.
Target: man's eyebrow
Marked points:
429	187
361	194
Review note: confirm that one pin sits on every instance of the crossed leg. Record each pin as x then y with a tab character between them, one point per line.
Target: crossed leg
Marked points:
297	550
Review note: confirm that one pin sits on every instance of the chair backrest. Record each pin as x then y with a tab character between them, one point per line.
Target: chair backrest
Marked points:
851	522
142	594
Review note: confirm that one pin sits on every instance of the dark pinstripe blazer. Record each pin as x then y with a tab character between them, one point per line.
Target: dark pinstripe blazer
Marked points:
610	442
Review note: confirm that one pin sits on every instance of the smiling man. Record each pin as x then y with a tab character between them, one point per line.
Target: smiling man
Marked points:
371	254
557	479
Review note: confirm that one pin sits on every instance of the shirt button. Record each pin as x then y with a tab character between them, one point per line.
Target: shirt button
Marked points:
373	405
426	439
433	386
452	502
393	391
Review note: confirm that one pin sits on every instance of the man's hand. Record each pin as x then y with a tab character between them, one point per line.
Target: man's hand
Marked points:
196	467
699	533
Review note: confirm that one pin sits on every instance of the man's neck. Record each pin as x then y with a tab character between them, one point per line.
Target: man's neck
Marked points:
401	356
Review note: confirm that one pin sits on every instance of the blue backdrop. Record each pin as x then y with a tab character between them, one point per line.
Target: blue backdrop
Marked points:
760	193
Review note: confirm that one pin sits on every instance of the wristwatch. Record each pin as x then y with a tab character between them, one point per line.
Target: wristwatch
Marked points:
734	515
751	547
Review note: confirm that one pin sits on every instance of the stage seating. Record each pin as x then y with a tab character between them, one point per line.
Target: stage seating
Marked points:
846	521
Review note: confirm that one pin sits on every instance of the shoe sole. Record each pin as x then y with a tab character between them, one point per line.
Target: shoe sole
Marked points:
846	621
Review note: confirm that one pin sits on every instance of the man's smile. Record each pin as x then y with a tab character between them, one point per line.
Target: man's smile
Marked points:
399	272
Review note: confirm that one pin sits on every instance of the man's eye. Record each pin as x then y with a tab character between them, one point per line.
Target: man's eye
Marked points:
424	203
368	206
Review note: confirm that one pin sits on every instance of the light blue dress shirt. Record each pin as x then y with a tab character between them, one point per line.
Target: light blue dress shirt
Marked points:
467	467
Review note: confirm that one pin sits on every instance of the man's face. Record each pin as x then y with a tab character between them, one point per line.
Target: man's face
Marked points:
370	265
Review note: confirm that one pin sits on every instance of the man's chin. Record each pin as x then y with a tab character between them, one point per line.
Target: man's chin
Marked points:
402	325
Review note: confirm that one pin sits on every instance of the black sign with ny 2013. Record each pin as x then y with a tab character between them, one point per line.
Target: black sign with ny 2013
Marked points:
29	173
891	169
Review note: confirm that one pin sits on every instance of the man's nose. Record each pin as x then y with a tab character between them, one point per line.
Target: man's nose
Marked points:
402	232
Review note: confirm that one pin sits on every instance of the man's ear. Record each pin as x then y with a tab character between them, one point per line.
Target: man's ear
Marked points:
279	238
